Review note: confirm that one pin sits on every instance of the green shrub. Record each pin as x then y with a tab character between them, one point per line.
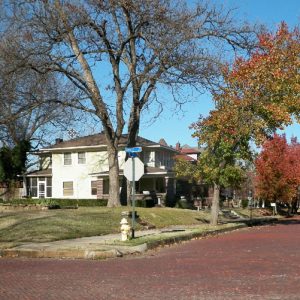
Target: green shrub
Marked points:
183	204
55	203
244	203
145	203
92	202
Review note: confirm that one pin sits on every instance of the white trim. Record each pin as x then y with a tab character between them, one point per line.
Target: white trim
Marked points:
39	175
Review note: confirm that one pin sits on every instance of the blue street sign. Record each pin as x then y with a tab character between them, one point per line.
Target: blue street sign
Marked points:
132	154
133	149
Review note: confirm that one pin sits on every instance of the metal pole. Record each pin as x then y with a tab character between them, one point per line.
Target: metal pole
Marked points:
133	198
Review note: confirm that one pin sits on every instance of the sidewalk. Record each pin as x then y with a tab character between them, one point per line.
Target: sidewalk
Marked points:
109	246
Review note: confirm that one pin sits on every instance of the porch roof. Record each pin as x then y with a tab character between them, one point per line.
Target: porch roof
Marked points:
40	173
149	172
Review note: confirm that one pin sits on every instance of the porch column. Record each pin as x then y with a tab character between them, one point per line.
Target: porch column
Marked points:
154	184
170	192
24	189
100	188
174	186
166	184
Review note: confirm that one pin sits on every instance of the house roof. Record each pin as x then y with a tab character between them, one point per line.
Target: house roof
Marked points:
99	140
162	142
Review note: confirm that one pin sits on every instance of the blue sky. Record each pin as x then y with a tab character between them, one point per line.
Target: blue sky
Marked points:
174	126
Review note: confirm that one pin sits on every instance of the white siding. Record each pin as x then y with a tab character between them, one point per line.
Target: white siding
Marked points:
193	155
96	161
79	174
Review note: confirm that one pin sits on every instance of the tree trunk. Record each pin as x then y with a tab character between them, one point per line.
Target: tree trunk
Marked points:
134	122
114	185
215	205
133	131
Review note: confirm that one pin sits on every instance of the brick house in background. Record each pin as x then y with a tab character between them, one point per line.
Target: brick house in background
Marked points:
205	192
78	169
191	190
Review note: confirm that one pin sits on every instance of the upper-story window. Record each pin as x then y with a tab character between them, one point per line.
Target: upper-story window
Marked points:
45	162
68	159
81	158
146	157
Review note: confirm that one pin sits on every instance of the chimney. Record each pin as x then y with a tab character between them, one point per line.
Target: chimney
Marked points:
177	147
58	141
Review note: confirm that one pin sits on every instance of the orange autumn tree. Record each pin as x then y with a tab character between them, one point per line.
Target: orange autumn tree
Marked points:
260	95
264	90
278	171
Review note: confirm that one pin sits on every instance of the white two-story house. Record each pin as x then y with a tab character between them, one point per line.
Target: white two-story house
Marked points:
78	169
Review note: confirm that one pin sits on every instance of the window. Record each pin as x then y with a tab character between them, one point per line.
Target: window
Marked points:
68	188
81	158
33	187
45	162
48	187
147	157
158	158
67	159
105	186
94	187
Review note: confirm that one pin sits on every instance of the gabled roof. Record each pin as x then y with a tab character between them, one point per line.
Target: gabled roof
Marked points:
99	140
163	142
190	150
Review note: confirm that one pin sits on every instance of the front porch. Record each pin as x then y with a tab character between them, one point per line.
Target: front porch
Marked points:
158	185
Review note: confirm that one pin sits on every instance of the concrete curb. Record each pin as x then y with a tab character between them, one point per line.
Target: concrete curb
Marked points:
192	235
83	254
120	250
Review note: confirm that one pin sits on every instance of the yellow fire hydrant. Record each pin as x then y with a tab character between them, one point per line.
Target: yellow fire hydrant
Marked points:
125	229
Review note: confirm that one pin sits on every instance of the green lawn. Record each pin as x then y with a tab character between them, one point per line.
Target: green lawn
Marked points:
50	225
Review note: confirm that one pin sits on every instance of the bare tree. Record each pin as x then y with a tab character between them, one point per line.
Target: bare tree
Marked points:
28	101
119	52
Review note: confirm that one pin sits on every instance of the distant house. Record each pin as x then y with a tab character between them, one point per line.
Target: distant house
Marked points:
188	153
191	190
78	169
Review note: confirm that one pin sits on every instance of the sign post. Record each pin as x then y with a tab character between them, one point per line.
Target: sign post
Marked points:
133	199
133	171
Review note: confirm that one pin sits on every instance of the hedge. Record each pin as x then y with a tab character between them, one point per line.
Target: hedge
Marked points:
145	203
56	203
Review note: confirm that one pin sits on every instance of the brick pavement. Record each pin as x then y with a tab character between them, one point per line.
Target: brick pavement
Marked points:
253	263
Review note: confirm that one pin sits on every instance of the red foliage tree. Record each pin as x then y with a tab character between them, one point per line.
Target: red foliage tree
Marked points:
278	170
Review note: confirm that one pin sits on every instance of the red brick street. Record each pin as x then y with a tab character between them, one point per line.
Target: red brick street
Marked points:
253	263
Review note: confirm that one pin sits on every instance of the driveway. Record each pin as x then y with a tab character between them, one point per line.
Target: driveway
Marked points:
252	263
